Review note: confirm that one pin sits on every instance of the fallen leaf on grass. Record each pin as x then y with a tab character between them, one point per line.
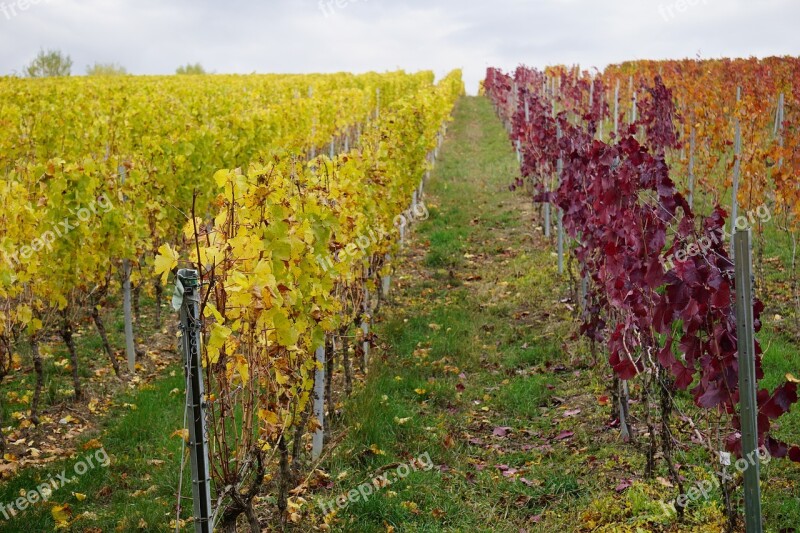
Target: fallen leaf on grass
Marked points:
410	507
93	444
501	431
377	451
624	485
565	435
183	433
61	515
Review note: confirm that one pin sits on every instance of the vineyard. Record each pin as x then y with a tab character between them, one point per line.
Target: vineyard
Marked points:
368	302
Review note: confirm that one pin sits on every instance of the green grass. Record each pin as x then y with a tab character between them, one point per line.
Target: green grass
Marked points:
143	457
139	485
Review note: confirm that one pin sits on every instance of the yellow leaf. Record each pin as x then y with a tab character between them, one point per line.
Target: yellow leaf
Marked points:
93	444
210	310
166	260
188	229
377	451
80	497
268	416
24	314
281	378
242	368
182	433
410	506
221	177
791	379
216	341
61	514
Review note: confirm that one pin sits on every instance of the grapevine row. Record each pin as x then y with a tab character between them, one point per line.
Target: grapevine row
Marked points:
664	312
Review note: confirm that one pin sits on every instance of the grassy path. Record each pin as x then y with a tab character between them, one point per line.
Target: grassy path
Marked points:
475	322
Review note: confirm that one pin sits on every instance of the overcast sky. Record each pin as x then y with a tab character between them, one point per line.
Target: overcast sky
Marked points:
155	36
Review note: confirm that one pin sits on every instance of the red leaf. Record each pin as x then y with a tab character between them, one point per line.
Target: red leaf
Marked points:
565	435
780	401
501	431
721	298
624	485
712	397
794	454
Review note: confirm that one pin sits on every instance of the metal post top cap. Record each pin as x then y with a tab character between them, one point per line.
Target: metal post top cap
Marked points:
187	274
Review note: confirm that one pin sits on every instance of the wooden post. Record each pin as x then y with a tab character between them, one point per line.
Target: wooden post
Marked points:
748	412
